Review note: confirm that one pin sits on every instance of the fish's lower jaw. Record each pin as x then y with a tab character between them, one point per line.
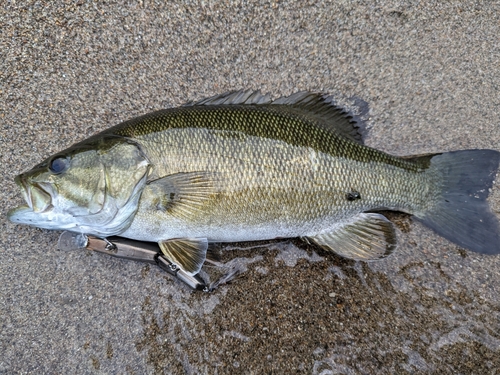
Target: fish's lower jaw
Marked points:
47	219
25	215
14	215
53	219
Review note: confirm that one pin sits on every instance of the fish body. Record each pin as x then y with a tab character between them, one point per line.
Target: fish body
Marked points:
257	182
240	167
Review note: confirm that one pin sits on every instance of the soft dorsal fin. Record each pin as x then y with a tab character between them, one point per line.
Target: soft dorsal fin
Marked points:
316	106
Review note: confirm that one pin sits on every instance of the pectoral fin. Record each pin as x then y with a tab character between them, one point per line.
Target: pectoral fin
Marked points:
368	236
183	194
187	253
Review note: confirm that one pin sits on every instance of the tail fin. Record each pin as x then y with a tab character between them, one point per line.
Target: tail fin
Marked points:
463	215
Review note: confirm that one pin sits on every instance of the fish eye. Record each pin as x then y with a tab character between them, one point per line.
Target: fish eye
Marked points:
58	165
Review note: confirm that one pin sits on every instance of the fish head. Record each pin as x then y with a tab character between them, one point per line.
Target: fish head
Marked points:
93	188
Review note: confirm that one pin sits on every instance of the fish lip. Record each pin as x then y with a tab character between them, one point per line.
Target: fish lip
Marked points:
31	190
25	191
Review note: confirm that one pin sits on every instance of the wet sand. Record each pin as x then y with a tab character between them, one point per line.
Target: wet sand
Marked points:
71	69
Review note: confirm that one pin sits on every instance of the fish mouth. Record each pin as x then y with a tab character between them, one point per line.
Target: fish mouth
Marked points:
36	195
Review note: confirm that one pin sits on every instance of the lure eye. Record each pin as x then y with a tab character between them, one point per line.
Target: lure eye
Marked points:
58	165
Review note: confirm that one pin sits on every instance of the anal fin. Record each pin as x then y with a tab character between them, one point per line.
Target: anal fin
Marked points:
369	236
187	253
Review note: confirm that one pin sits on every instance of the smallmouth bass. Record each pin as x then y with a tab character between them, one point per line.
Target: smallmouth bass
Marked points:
242	167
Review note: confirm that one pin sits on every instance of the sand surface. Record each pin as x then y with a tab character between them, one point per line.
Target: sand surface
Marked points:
430	73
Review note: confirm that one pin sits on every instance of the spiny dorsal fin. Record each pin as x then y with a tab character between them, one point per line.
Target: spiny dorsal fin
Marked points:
246	97
187	253
317	106
369	236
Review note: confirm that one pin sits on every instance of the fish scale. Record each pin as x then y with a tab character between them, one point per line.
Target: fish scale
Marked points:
243	167
266	176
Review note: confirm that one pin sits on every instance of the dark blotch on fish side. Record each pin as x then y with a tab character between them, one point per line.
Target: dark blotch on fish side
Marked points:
353	195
